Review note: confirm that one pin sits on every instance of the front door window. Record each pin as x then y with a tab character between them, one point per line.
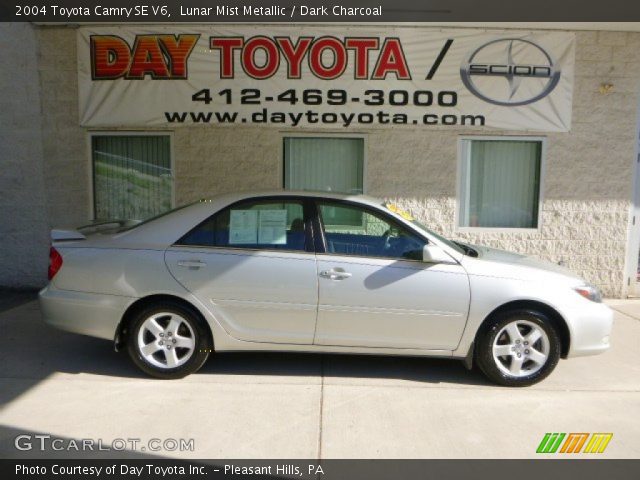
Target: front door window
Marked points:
351	230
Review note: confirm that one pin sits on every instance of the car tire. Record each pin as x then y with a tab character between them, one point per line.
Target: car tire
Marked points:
518	348
168	340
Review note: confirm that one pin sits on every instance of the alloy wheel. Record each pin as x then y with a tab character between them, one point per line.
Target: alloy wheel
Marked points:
166	340
521	348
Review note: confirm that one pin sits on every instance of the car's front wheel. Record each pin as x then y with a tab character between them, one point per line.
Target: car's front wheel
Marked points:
518	348
168	341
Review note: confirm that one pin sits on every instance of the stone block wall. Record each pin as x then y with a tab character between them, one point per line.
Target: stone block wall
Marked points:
23	224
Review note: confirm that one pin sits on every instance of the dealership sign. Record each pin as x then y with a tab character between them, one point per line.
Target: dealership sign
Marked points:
340	77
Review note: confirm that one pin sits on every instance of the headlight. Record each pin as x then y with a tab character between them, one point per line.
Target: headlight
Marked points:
589	292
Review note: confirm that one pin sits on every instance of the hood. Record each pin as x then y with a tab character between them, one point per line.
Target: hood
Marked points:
516	260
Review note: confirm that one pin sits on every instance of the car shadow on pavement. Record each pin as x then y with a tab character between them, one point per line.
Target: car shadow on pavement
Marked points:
415	369
10	298
34	351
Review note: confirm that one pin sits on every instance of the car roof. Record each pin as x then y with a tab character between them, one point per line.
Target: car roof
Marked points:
162	232
166	229
248	194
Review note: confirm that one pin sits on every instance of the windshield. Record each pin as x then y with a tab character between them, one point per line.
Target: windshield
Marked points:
444	240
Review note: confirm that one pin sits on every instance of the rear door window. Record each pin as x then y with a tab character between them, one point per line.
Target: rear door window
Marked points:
257	224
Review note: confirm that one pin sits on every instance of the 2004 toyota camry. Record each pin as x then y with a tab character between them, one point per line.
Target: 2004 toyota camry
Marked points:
315	272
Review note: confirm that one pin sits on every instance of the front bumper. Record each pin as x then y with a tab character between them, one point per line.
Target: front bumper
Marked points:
590	329
91	314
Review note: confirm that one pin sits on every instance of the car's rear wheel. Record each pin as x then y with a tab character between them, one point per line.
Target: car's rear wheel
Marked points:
168	341
518	348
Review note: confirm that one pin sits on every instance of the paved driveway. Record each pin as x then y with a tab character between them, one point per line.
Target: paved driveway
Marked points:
307	406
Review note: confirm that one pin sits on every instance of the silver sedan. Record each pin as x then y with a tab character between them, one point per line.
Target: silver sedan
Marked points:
315	272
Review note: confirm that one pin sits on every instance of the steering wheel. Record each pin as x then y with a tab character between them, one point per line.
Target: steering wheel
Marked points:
387	239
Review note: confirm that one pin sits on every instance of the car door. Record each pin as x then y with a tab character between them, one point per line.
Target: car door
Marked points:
375	290
252	264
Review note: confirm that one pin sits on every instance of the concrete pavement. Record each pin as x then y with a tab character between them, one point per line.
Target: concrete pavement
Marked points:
308	406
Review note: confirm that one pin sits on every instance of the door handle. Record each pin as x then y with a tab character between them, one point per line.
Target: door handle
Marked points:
335	274
195	264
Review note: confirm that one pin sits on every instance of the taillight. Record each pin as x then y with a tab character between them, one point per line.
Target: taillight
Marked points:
55	262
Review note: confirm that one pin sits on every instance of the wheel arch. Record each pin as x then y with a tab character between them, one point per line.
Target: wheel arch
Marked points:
120	337
547	310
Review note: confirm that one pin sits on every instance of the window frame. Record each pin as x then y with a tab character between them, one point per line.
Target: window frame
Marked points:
319	135
322	240
308	212
126	133
462	184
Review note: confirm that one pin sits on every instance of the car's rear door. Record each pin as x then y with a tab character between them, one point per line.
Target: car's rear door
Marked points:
253	265
374	289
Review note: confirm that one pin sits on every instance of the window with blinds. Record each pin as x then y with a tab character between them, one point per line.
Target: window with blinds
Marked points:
330	164
132	178
324	163
500	183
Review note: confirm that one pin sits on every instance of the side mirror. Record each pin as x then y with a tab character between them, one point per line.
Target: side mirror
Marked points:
434	254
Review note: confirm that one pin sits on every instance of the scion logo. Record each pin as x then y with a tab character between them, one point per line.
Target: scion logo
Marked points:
531	73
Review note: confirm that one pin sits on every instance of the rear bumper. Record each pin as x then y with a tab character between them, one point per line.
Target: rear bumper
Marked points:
91	314
590	329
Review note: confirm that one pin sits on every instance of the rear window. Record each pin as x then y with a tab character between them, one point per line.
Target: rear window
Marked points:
156	217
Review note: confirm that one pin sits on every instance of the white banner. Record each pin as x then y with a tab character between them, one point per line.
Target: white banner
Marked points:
339	77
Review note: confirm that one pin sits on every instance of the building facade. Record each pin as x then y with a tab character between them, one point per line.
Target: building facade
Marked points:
564	196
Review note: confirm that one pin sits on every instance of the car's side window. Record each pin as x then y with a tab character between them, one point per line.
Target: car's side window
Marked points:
351	230
261	224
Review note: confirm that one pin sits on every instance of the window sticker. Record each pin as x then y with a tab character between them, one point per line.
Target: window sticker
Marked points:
403	213
243	227
272	228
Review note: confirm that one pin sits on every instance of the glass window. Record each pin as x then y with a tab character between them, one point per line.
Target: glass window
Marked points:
369	234
500	183
131	176
324	163
265	225
330	164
